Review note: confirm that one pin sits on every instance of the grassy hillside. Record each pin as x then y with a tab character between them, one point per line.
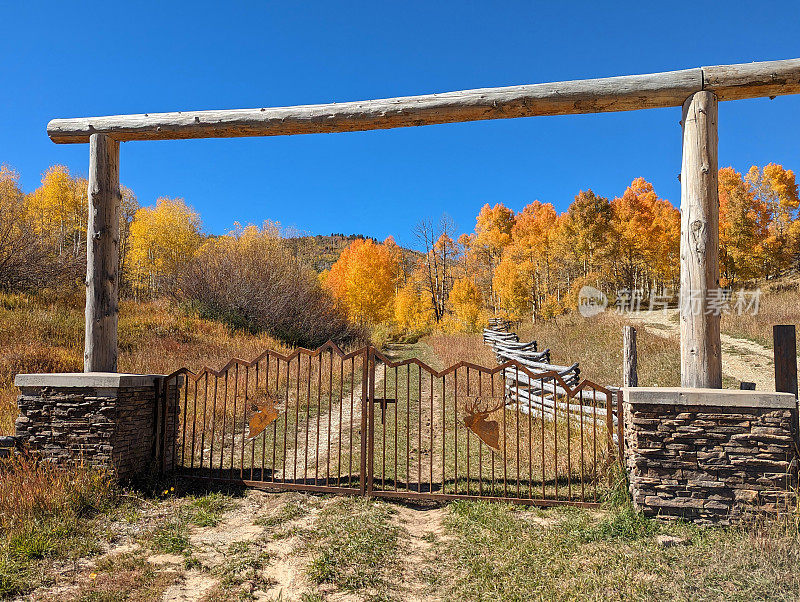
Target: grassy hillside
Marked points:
41	334
320	252
779	304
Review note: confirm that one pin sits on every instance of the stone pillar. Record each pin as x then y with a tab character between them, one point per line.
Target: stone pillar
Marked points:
708	455
101	419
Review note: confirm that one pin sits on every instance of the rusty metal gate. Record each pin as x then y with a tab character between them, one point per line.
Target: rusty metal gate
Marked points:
361	423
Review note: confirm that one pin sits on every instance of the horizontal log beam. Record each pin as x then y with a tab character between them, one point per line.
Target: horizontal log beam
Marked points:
625	93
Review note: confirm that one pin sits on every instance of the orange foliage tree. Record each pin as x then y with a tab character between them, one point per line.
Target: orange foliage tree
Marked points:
364	280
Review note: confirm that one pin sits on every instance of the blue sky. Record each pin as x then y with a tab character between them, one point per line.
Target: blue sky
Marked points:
79	59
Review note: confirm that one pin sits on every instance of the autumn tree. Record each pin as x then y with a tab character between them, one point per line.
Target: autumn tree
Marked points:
531	249
775	193
59	210
162	240
743	225
646	237
467	303
512	285
436	264
586	231
411	312
364	280
492	233
26	259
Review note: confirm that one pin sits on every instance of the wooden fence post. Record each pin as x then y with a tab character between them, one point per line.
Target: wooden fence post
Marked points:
102	256
630	376
701	360
785	350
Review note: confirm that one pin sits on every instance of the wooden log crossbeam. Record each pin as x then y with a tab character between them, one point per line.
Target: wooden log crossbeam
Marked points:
518	345
624	93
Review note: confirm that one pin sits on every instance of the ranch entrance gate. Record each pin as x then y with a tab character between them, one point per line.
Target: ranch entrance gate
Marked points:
361	423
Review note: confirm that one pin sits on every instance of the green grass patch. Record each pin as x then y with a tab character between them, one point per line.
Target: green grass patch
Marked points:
172	537
289	511
354	546
207	511
500	552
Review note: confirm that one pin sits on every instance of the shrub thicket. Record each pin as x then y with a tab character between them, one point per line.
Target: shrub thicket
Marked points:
251	280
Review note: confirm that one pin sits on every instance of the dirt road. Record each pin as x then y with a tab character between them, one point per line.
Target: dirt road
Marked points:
741	359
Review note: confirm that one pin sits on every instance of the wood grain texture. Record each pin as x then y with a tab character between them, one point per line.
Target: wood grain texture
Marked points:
753	80
624	93
701	361
630	372
561	98
784	338
102	256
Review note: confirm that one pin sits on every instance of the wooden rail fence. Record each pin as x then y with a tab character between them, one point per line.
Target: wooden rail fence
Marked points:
548	397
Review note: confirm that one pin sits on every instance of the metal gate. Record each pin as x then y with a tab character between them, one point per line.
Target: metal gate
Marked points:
360	423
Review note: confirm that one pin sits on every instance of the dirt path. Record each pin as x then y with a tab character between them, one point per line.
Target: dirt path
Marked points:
741	359
421	527
325	433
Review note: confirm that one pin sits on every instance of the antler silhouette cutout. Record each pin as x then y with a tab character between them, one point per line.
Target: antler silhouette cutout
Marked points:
487	430
264	416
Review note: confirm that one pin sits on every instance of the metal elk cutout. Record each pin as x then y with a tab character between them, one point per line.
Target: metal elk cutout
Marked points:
487	430
266	413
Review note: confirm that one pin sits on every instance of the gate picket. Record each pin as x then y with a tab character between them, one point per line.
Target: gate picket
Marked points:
466	432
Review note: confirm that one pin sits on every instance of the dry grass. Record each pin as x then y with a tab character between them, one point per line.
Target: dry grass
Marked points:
38	334
122	577
775	307
596	344
496	552
46	512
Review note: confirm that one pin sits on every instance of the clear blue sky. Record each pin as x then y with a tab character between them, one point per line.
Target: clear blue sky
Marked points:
64	59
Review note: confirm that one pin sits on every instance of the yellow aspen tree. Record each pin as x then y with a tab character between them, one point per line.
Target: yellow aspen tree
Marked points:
161	240
59	208
411	313
467	303
492	234
513	288
775	190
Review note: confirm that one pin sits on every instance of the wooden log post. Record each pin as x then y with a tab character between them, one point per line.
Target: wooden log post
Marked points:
102	256
630	376
785	352
701	360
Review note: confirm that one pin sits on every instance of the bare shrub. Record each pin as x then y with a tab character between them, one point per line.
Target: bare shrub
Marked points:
27	261
249	279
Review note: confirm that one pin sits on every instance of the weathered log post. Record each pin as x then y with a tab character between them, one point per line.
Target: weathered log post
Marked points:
630	376
102	256
785	352
701	360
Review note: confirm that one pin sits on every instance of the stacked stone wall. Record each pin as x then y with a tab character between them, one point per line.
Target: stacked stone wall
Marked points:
710	463
112	427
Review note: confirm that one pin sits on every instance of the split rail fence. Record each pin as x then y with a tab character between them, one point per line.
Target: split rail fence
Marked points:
549	397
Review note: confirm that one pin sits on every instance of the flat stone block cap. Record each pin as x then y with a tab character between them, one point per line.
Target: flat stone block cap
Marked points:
707	397
104	380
